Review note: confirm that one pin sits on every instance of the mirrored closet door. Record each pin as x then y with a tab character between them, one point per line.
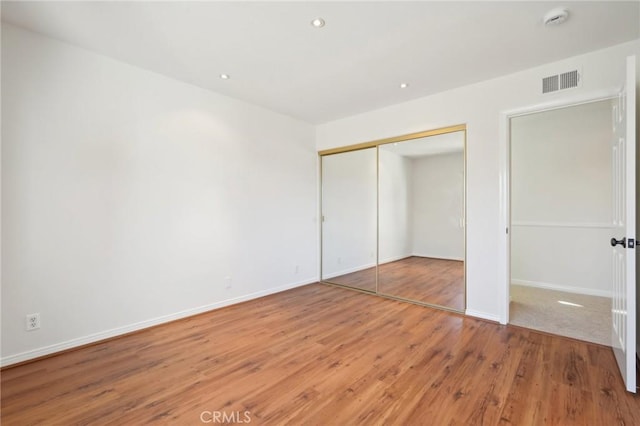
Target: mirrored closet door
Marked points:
421	220
349	218
394	217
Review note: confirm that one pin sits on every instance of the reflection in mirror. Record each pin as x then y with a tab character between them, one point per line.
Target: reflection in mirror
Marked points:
421	222
349	218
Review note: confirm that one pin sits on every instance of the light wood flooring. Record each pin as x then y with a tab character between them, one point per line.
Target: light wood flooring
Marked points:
423	279
322	355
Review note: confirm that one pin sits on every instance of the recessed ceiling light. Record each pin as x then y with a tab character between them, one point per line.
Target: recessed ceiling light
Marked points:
318	22
555	17
404	85
224	76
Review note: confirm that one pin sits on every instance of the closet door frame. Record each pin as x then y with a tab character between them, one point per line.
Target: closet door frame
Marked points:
377	144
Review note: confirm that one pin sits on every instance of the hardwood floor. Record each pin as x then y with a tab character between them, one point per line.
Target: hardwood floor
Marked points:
324	355
423	279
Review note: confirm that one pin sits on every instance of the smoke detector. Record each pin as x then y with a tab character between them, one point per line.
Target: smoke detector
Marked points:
555	17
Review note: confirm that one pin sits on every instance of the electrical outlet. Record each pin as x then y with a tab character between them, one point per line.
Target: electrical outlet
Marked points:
297	269
227	281
33	322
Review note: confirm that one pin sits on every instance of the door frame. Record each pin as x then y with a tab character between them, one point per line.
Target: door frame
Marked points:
504	151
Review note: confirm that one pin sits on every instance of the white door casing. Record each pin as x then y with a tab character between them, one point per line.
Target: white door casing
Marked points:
623	306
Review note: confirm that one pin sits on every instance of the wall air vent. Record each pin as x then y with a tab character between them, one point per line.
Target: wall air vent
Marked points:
569	80
562	81
550	84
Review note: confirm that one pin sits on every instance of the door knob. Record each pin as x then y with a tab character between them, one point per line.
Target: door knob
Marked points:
622	242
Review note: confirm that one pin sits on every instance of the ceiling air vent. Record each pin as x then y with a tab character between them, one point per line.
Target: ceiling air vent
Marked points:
562	81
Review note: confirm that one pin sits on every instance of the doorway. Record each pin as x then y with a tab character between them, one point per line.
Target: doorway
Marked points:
561	210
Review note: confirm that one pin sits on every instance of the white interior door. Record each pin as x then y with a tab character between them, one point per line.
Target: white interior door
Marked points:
624	221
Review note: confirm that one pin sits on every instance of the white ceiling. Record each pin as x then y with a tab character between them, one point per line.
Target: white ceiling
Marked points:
354	64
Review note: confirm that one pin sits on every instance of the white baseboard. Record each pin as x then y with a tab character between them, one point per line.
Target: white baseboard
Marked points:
394	258
349	271
96	337
483	315
565	288
438	257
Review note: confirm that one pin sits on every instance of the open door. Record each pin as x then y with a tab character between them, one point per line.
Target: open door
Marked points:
624	222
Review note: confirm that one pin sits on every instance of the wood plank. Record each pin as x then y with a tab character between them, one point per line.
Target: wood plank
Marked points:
324	355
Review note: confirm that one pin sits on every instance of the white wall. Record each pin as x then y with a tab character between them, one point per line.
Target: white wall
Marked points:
128	197
480	106
438	206
561	199
349	211
395	206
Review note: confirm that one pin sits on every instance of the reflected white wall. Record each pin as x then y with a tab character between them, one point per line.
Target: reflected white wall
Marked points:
438	206
349	208
395	206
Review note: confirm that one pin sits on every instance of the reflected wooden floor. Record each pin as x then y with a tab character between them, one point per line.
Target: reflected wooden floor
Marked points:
364	279
324	355
435	281
424	279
